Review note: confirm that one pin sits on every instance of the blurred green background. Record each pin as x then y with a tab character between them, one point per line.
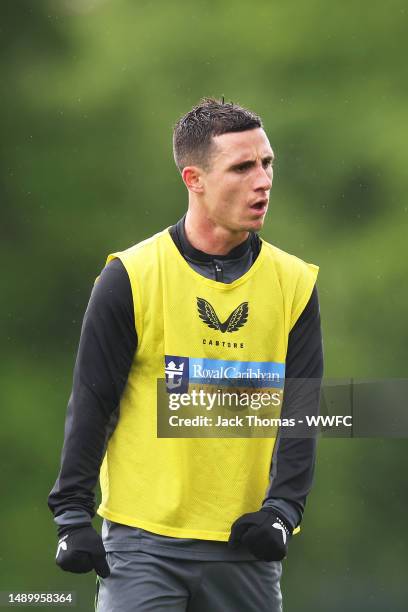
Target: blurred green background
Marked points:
90	92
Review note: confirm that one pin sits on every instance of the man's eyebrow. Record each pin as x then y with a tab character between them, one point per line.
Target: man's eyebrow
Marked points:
270	158
247	163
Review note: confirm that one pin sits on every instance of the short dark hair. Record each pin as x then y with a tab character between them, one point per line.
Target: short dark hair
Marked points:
193	133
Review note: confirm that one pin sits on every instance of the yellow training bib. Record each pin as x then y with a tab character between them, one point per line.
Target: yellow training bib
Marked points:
189	327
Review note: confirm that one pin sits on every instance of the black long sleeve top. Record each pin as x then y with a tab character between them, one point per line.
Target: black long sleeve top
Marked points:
106	350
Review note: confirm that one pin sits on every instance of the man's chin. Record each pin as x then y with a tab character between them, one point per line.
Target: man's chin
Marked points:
255	225
250	225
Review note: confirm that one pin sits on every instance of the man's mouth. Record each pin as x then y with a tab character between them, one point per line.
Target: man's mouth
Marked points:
260	206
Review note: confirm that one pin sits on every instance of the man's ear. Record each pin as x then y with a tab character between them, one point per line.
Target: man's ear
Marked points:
193	178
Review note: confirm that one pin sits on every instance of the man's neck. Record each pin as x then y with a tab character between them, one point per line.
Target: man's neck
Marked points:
205	236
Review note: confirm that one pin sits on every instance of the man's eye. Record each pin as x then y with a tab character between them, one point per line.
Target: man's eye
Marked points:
267	163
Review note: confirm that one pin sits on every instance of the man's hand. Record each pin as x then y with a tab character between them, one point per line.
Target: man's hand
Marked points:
80	550
264	533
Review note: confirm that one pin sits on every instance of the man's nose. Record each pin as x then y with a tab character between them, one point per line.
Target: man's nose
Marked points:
263	179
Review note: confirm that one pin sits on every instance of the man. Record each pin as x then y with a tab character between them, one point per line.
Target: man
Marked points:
191	524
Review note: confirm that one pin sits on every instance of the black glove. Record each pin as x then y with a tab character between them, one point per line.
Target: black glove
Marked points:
80	550
265	534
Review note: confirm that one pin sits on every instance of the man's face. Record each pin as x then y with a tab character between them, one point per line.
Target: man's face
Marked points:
239	180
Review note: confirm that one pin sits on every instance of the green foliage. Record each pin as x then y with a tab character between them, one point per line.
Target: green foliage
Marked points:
91	89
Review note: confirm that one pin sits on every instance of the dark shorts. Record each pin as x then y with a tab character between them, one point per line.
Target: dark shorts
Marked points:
141	582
